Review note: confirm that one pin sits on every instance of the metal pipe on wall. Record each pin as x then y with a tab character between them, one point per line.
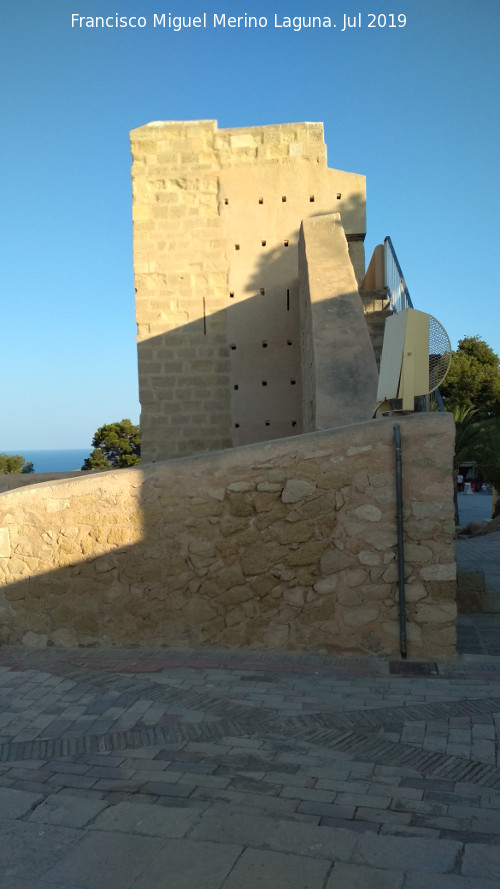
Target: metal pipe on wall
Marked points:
401	561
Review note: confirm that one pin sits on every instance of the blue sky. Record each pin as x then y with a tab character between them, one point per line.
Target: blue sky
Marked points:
415	109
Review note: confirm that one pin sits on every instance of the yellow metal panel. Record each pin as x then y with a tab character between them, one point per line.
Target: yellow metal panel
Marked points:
392	357
415	368
404	366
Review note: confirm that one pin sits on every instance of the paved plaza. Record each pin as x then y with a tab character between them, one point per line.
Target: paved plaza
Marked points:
480	553
479	634
209	770
161	769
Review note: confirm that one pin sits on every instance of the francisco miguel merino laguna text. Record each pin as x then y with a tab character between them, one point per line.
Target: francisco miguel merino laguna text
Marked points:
166	20
206	20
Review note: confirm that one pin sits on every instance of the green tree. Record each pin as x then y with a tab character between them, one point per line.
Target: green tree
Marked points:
116	445
15	463
476	440
474	378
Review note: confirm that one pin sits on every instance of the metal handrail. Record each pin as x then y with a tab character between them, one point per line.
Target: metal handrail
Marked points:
395	284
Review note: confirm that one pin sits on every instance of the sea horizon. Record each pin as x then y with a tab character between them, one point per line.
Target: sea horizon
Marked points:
52	459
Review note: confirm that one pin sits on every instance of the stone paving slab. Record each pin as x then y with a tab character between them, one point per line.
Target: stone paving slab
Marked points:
276	870
482	860
147	820
16	803
408	853
353	876
66	810
187	865
259	830
104	861
26	852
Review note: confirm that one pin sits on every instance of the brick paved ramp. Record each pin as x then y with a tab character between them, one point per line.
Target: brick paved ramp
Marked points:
203	770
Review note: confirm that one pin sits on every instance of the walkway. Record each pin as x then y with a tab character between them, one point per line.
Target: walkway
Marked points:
479	634
205	770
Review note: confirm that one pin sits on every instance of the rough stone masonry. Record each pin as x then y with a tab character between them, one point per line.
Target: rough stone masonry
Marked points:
289	544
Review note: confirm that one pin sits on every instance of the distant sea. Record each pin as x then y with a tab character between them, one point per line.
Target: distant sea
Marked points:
54	461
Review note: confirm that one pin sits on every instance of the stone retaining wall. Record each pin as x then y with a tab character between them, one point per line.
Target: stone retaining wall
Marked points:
11	480
289	544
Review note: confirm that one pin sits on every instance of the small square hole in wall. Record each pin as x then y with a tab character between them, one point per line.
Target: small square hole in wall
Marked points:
233	346
289	342
268	423
263	243
311	198
264	344
262	290
293	382
285	243
339	196
231	294
226	201
283	199
236	425
236	386
261	200
236	246
294	422
264	382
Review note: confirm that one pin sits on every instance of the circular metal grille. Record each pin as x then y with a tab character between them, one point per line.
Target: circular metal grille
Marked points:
439	353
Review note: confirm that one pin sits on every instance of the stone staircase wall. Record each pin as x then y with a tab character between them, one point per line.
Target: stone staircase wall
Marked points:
376	309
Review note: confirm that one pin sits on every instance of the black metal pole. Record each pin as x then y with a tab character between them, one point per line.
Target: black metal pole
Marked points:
401	559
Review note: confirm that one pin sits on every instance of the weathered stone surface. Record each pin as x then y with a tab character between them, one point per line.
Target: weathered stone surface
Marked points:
416	554
5	550
444	571
240	487
415	591
328	585
237	594
240	505
378	590
230	524
368	513
65	638
427	613
367	557
359	617
260	558
361	449
296	596
305	554
35	640
297	489
349	597
270	487
354	577
335	560
296	532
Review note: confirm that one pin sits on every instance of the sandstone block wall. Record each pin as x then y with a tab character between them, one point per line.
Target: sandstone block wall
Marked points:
216	217
289	544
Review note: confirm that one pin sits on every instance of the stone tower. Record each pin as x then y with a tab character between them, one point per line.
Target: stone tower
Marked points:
248	251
